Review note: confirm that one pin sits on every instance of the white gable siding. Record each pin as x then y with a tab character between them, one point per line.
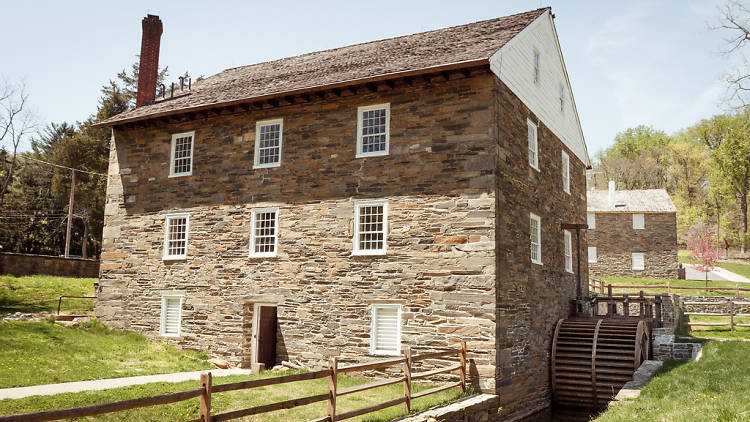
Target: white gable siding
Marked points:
514	65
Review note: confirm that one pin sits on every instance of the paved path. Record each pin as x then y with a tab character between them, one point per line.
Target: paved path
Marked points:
718	274
75	387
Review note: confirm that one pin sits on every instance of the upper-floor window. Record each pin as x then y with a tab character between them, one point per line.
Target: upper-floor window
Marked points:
171	315
568	241
268	136
533	144
264	236
373	130
176	236
562	97
370	227
536	239
536	66
386	330
566	171
181	156
639	222
591	220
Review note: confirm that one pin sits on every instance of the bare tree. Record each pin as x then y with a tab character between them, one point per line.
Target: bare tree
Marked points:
734	19
16	123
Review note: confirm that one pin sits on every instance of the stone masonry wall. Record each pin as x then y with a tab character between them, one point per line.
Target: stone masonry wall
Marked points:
615	241
19	265
439	179
531	298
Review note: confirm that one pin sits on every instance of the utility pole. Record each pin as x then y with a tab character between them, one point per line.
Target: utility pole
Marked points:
70	211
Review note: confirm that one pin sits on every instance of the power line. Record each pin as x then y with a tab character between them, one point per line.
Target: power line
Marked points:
65	167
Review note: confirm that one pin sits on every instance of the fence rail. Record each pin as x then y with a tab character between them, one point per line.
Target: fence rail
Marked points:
598	286
207	388
731	314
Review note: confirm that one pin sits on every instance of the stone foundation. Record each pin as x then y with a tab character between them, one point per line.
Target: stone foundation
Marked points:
665	348
477	408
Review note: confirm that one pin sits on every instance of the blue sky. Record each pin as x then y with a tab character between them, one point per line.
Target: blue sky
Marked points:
630	63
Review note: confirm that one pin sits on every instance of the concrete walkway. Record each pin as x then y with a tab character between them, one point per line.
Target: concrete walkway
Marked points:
718	274
78	386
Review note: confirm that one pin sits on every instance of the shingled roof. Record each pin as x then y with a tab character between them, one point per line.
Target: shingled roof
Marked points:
455	47
644	200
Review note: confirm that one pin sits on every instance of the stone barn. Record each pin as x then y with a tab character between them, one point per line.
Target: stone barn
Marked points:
632	233
354	201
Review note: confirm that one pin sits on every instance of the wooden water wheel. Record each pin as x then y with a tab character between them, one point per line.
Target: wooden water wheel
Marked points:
593	358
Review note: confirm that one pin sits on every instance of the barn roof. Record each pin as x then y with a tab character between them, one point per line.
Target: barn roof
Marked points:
644	200
454	47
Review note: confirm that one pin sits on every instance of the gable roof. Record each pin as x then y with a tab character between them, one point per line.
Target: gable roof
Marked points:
644	200
455	47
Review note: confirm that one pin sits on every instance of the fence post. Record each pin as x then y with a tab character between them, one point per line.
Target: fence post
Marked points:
601	286
640	312
657	299
669	288
407	378
731	316
626	305
333	366
205	409
462	357
737	290
611	305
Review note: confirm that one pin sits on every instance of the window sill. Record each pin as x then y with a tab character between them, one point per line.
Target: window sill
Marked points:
371	154
376	354
266	166
171	335
369	253
256	256
174	258
535	168
172	175
537	263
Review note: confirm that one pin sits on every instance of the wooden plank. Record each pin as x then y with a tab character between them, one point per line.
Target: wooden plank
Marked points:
705	324
371	365
407	379
365	410
435	355
269	381
287	404
435	390
369	386
427	374
706	314
333	371
98	409
205	406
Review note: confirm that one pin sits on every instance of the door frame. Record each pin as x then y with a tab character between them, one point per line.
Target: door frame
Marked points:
256	323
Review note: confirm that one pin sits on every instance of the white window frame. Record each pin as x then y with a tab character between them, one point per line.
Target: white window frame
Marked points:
536	60
535	149
592	257
258	125
165	252
176	136
534	217
162	325
373	339
643	261
362	109
253	219
363	252
568	250
639	221
591	220
566	172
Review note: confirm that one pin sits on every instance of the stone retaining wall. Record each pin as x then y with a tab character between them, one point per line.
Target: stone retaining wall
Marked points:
477	408
20	265
664	346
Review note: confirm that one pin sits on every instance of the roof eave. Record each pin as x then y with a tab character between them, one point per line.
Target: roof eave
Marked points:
341	84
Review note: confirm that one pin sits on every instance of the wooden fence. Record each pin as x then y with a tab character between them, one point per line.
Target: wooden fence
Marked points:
731	314
207	389
598	286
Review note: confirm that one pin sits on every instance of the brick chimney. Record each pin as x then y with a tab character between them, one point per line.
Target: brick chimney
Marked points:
148	70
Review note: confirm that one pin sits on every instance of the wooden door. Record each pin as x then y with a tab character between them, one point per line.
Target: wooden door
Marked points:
267	336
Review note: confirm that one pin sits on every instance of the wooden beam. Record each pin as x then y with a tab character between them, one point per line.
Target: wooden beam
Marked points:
466	72
390	83
245	107
305	97
446	74
409	81
336	92
372	87
258	105
272	102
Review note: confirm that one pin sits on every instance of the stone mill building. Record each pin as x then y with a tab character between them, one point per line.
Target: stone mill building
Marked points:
632	233
354	201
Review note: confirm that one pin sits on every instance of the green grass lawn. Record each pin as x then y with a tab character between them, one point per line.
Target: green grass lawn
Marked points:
42	352
223	402
40	293
715	388
711	291
720	332
685	256
737	268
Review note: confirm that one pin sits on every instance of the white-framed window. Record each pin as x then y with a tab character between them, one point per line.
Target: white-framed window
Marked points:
536	239
268	137
176	228
370	228
638	261
536	66
181	156
591	220
385	335
566	171
562	98
568	240
639	222
264	232
533	144
592	254
373	130
171	315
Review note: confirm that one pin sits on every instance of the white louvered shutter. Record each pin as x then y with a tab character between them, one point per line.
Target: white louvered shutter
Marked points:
592	254
638	261
386	330
171	316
